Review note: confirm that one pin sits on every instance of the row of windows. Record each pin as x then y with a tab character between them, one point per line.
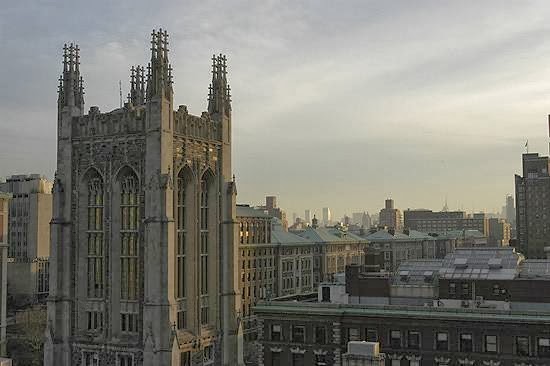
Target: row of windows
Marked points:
128	321
413	340
298	334
257	262
261	291
250	233
298	359
260	252
90	358
265	275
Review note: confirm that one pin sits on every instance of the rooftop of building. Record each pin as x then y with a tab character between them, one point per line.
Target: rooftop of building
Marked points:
329	234
244	210
464	234
303	308
407	235
487	263
24	177
280	236
419	271
491	263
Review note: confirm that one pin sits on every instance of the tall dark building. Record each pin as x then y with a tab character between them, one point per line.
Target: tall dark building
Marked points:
533	206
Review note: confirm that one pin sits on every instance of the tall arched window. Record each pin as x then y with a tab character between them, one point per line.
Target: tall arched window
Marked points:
204	247
129	237
204	237
181	236
95	233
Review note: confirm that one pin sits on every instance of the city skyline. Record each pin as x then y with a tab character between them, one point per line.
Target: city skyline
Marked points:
410	102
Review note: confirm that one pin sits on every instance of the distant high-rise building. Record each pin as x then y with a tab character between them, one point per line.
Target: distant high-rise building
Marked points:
429	221
307	217
327	218
270	202
499	232
30	216
361	218
274	211
532	209
510	210
390	216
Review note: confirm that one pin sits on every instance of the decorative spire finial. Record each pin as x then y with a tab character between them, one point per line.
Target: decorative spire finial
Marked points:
159	71
71	84
219	95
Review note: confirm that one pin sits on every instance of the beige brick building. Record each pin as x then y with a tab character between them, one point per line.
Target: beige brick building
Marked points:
29	216
274	262
144	231
30	213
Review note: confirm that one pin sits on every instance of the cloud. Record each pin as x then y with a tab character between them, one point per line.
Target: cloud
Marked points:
336	103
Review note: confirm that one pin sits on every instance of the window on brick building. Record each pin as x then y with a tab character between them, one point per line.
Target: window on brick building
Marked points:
466	342
522	346
320	335
414	339
298	359
442	341
354	334
395	339
298	333
543	347
491	343
372	335
276	333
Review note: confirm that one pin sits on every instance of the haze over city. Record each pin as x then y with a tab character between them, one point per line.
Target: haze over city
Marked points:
337	104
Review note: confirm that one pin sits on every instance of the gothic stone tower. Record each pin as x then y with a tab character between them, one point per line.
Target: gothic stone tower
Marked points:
144	232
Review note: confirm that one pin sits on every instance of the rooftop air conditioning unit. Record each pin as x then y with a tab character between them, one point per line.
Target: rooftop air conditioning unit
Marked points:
465	304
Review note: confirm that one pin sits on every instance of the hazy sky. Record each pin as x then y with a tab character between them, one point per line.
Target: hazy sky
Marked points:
335	103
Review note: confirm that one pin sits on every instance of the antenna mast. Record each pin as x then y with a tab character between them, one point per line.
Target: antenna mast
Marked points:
120	92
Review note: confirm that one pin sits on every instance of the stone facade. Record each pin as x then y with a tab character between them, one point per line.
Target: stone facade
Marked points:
144	231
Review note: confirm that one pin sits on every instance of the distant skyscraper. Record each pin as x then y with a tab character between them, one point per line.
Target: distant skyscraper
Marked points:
274	211
390	216
327	218
361	218
532	209
307	217
510	210
499	232
271	202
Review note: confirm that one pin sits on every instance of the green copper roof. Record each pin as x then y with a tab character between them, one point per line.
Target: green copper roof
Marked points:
284	309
